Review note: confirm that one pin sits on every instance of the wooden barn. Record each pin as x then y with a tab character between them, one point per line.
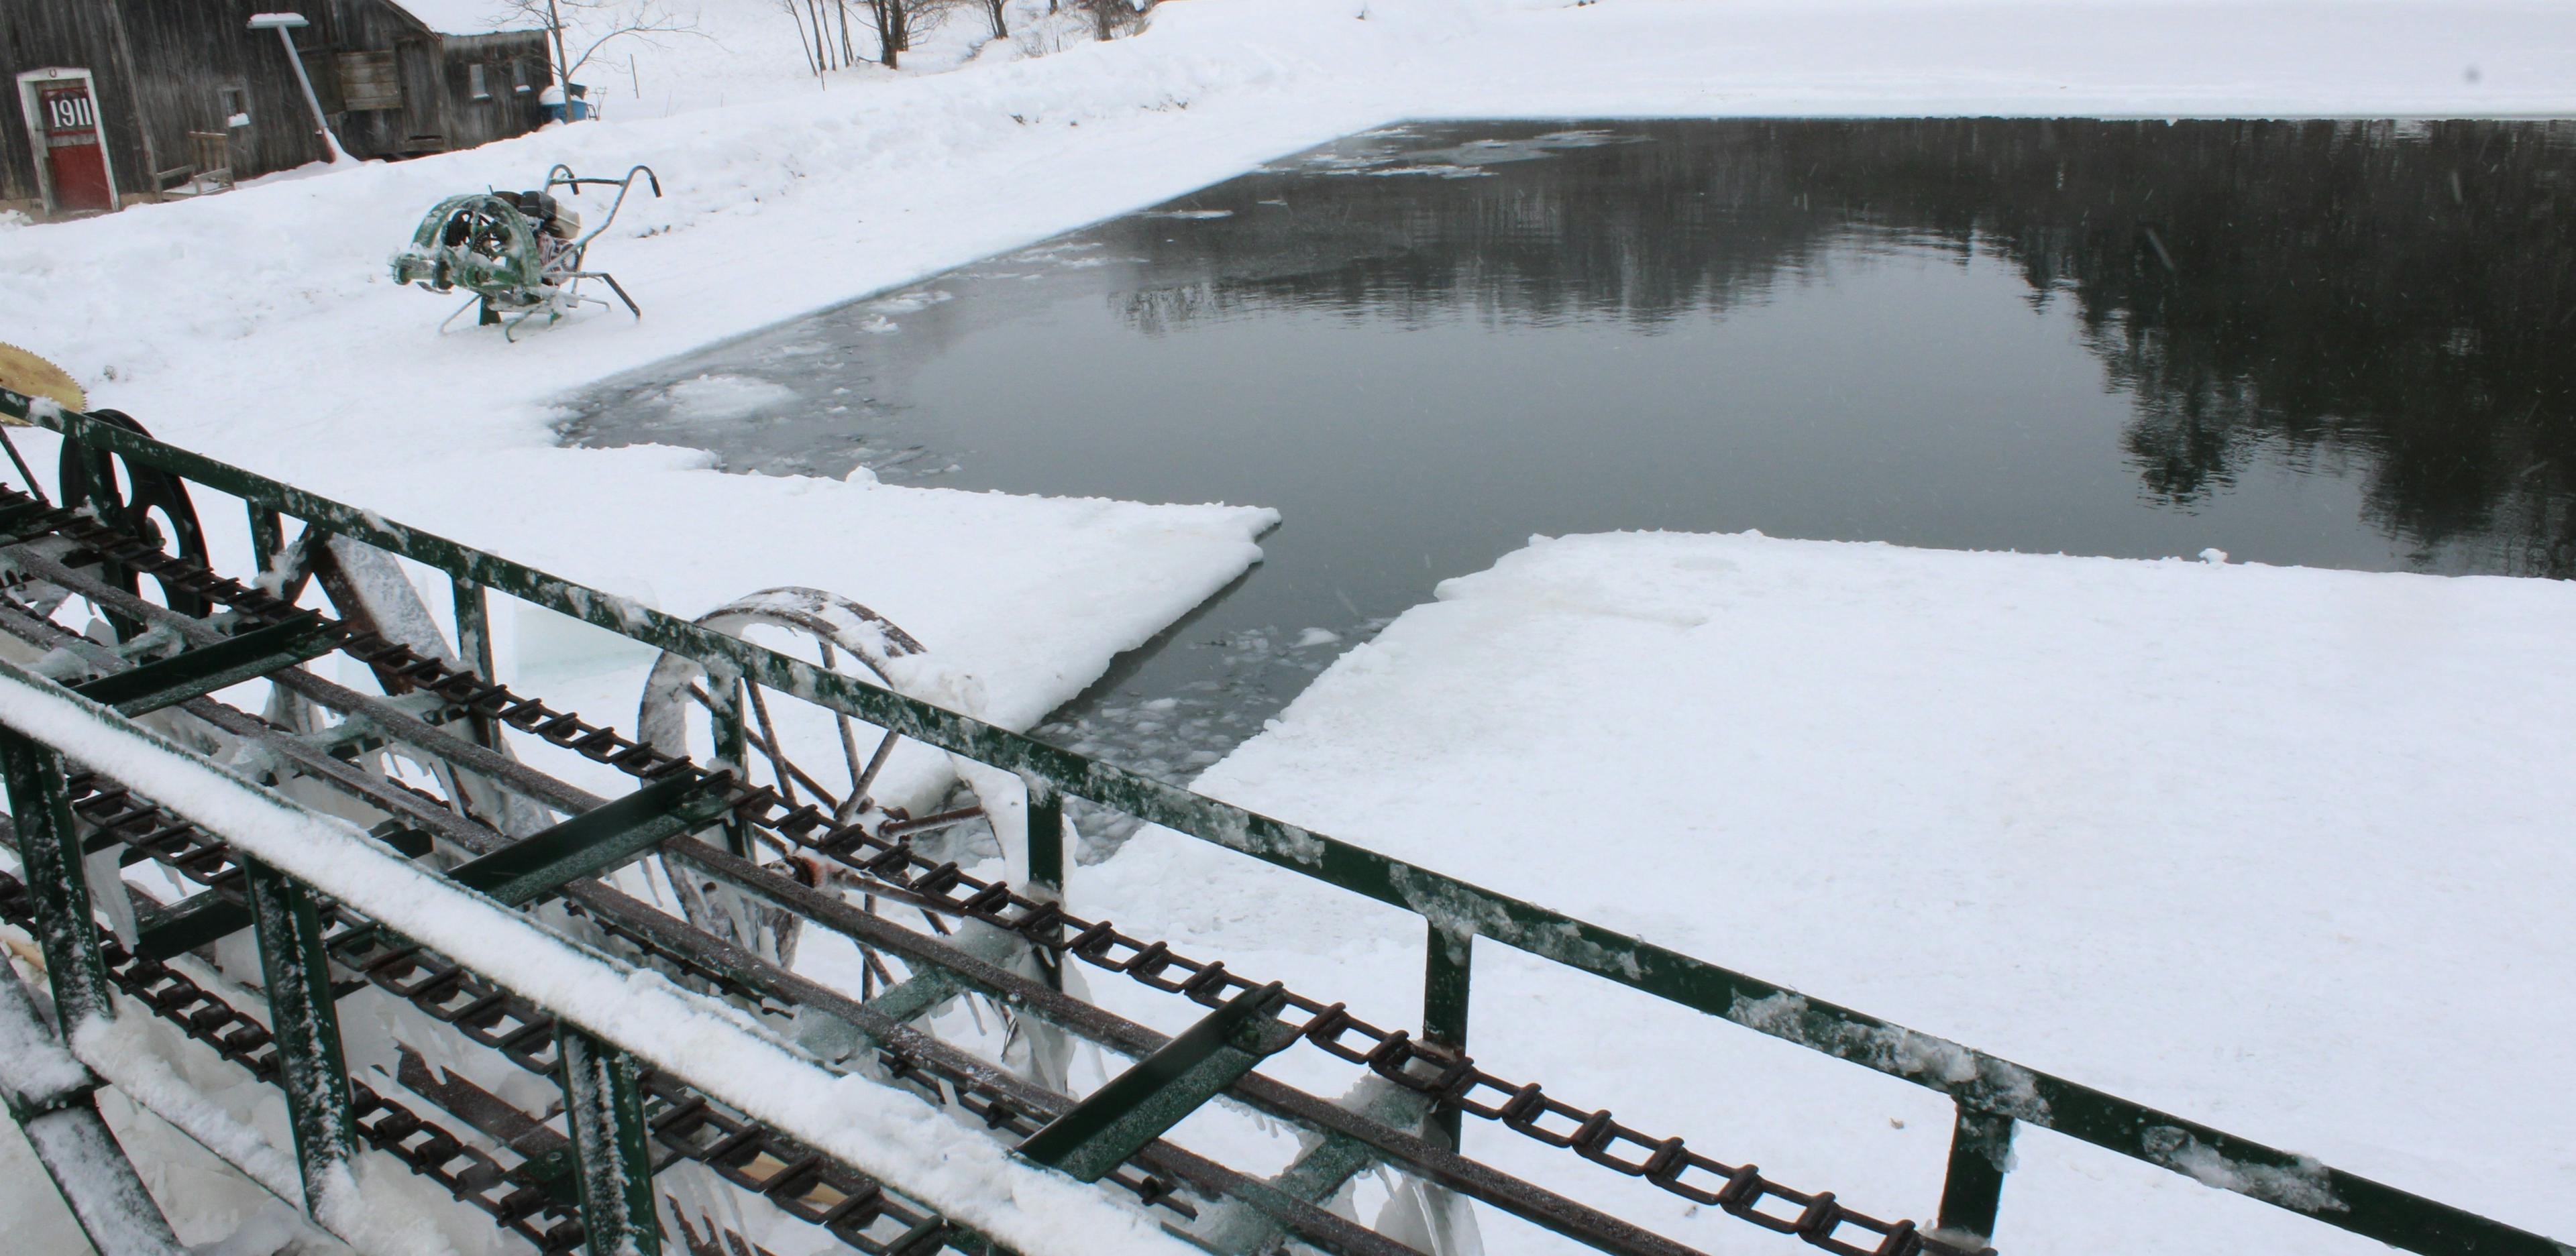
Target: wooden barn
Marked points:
119	101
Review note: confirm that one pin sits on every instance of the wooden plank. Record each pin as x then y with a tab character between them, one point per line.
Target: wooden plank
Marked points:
368	81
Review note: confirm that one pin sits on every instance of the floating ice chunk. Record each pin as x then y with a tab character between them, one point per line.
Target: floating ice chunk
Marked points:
1317	636
1436	169
910	302
725	396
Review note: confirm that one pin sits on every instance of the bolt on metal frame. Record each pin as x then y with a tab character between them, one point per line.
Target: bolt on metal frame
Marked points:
1992	1096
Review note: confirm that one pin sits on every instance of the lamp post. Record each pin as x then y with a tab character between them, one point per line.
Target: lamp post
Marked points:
283	23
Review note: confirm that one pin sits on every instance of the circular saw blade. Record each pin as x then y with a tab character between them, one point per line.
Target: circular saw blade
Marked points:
24	372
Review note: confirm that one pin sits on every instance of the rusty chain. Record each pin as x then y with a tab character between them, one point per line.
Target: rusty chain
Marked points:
736	1148
516	1201
1445	1075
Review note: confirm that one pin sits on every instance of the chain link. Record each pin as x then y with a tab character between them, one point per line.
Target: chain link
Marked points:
516	1201
772	1165
1445	1075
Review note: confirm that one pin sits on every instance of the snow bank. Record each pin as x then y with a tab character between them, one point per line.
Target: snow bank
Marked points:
875	1128
259	325
2280	849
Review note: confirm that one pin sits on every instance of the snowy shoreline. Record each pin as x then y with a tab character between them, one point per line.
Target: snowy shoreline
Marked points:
259	328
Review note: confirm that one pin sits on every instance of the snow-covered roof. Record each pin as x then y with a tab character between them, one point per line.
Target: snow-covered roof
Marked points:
467	17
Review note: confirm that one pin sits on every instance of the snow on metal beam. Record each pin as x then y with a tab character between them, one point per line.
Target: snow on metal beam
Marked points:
50	1094
195	673
870	1127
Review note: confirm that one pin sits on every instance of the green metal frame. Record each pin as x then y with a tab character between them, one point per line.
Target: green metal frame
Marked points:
196	673
1447	966
1993	1094
40	807
594	841
613	1163
1972	1192
305	1020
584	846
1161	1090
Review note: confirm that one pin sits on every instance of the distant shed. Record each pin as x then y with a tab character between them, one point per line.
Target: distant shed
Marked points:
120	101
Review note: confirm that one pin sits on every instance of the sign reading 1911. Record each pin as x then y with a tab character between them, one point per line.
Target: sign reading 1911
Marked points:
71	111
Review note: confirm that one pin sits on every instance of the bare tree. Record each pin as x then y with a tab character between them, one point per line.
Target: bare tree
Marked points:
816	58
823	29
1113	18
823	33
580	29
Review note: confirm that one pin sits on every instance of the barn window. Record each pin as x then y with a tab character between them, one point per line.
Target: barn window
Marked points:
235	103
475	83
368	81
518	76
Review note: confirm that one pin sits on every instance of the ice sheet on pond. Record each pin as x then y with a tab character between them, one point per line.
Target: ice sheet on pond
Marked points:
2278	849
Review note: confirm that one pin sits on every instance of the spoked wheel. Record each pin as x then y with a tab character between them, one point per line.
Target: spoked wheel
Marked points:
146	502
849	769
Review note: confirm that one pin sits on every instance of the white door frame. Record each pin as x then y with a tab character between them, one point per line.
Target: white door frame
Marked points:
28	84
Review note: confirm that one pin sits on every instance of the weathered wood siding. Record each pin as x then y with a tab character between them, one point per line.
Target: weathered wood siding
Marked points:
42	34
162	69
516	68
188	52
437	111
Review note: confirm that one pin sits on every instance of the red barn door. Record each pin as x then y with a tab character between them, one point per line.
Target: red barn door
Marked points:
68	117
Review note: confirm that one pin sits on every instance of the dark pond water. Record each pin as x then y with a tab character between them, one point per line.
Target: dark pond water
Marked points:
2346	344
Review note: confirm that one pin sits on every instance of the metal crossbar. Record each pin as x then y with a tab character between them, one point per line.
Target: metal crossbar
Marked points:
1993	1096
203	863
898	871
1137	1106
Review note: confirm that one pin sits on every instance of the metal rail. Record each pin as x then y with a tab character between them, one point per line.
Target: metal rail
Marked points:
1992	1095
511	1026
894	869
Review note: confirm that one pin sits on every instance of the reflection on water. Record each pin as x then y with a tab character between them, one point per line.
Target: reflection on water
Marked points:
2333	343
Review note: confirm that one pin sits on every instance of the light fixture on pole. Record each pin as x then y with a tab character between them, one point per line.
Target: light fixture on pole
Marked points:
283	23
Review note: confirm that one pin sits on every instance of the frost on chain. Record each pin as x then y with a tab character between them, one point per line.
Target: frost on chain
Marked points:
1999	1087
2301	1185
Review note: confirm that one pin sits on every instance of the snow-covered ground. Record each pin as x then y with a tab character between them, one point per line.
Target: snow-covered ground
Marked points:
260	327
236	319
2278	849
